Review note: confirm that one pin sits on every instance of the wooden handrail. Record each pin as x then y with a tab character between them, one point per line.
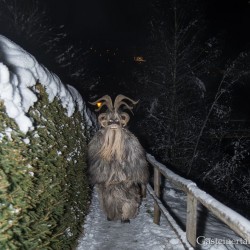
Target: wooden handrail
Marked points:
234	220
179	232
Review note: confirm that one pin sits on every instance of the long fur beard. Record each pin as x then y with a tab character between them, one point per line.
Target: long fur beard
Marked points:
118	166
113	144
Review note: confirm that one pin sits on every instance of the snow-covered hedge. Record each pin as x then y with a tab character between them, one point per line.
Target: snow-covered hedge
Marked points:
43	133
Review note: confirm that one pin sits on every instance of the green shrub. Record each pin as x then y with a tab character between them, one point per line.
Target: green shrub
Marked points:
43	186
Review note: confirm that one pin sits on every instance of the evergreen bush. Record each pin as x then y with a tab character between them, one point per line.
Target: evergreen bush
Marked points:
43	186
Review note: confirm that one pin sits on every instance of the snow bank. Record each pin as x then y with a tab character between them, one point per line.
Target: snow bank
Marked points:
90	120
19	73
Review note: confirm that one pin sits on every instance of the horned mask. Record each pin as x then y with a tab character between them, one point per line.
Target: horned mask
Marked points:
113	117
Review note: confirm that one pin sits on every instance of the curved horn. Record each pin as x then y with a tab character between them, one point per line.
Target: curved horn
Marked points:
125	119
102	119
119	101
107	101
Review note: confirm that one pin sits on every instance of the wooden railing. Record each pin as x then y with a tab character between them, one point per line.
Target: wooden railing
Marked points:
235	221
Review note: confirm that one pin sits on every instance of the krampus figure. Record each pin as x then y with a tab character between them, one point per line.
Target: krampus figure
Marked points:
117	162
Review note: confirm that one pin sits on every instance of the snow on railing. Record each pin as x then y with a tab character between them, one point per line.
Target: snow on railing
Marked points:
158	205
235	221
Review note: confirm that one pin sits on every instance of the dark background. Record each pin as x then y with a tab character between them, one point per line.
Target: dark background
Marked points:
112	33
117	31
123	23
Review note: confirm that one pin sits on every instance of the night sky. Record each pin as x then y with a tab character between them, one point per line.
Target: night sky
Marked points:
117	31
119	23
123	23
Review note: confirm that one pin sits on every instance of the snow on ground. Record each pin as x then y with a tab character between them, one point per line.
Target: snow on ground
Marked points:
140	234
143	234
19	72
210	229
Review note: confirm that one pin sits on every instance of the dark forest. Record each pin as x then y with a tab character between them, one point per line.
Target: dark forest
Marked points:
187	63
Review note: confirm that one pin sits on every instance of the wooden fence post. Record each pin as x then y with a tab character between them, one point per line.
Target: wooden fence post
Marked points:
157	184
191	223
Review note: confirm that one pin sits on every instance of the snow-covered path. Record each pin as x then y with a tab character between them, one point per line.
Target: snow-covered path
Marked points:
143	234
140	234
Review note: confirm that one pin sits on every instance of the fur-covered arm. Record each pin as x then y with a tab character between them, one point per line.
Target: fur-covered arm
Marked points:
135	164
97	168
